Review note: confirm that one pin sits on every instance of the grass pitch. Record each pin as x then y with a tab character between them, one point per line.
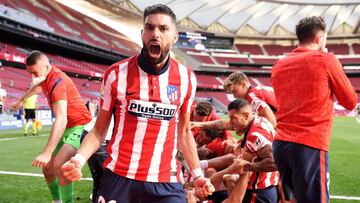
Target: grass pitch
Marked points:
18	152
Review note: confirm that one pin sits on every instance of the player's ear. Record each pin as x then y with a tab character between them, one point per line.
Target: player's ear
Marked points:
176	37
318	38
247	115
243	83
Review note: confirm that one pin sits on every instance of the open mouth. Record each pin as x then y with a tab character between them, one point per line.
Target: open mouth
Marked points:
155	50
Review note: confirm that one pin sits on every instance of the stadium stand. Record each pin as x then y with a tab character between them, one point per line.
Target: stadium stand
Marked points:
17	81
276	50
254	59
56	18
356	48
338	49
249	49
208	81
227	58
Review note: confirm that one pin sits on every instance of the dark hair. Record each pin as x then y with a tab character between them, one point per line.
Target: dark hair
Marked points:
212	133
237	104
159	8
308	28
203	109
33	57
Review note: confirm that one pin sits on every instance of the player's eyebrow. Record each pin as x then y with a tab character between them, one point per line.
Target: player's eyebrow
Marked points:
153	25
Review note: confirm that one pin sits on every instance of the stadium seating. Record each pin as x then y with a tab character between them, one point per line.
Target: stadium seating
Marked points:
356	48
355	81
54	17
209	81
226	59
17	81
276	50
205	59
338	49
249	49
219	96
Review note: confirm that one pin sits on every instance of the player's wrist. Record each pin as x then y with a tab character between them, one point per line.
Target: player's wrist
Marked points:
248	167
197	173
80	158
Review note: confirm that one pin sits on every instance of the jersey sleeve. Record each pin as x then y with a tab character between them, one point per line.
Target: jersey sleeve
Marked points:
255	141
340	84
107	91
256	103
189	98
58	90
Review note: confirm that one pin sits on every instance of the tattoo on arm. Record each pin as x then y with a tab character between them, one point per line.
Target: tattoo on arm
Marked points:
219	125
267	162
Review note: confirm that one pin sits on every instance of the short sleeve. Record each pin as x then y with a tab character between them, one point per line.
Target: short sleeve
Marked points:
256	103
255	141
190	95
106	90
58	90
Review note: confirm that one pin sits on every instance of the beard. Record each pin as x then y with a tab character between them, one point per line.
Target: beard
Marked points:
164	52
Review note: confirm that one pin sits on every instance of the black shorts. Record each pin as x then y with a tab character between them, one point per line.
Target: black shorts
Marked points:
304	171
30	114
267	195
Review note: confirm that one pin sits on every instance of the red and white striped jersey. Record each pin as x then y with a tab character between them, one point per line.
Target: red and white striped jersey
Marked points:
146	109
261	96
260	133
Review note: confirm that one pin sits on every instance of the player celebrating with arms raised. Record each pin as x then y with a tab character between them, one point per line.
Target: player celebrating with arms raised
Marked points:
150	96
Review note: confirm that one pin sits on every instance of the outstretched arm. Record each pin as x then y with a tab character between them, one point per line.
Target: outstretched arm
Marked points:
33	90
216	125
57	130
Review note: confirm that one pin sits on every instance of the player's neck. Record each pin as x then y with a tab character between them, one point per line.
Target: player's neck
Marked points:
150	68
310	46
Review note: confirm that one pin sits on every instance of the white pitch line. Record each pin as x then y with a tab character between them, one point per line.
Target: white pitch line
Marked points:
24	137
344	197
31	174
90	179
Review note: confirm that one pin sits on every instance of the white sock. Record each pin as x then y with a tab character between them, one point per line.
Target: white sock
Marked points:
204	164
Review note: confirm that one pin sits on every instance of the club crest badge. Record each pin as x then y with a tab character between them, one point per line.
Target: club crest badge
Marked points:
172	92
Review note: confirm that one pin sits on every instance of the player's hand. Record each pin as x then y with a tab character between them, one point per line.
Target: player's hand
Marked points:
194	125
72	169
15	106
203	187
230	180
238	165
41	160
190	196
